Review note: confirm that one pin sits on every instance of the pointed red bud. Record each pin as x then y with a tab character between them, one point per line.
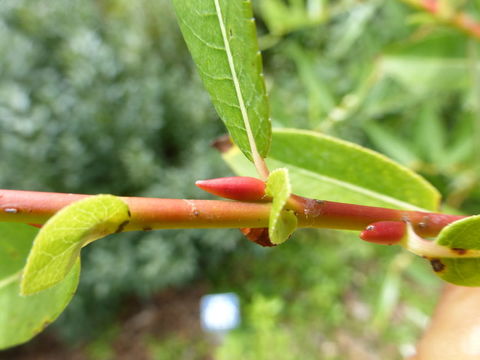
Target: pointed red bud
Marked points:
36	225
384	232
239	188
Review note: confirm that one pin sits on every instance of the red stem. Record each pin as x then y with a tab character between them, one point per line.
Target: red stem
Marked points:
147	213
153	213
335	215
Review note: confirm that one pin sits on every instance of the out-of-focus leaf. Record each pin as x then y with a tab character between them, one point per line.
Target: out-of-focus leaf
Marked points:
221	37
282	223
430	134
390	292
458	152
57	246
347	34
432	64
21	317
282	17
391	145
323	167
462	146
320	98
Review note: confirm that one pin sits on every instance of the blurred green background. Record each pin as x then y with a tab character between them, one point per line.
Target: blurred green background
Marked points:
102	97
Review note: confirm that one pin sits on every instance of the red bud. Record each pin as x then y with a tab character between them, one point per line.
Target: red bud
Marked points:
240	188
258	235
36	225
384	232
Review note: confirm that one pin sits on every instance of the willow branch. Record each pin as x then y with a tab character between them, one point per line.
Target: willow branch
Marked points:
153	213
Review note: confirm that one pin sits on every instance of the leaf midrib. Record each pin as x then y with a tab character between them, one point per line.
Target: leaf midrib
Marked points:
10	279
236	83
371	193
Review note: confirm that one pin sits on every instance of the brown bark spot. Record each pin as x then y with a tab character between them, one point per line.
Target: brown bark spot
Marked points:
313	207
459	251
121	226
437	265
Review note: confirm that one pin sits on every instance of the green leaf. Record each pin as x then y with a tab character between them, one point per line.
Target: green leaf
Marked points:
284	17
21	318
463	237
221	37
323	167
462	234
57	246
431	134
282	222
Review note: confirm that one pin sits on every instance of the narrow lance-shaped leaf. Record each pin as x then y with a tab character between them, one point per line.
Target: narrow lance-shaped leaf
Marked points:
221	37
322	167
57	246
21	318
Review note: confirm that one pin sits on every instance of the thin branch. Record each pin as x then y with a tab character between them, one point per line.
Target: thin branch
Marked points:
153	213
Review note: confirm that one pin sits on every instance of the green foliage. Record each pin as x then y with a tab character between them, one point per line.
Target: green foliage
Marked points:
57	246
351	68
463	236
221	36
87	75
306	297
271	340
96	97
438	59
283	17
23	317
176	346
282	222
386	76
341	171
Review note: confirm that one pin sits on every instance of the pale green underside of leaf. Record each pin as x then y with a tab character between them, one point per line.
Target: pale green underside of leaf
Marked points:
57	245
323	167
221	37
462	234
282	223
21	318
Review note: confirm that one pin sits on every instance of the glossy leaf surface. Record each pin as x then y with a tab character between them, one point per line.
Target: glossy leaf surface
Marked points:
221	37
